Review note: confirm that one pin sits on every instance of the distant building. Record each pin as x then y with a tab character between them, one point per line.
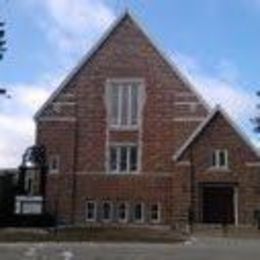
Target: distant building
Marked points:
129	141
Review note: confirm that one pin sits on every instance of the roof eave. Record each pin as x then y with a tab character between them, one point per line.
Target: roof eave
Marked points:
81	63
201	127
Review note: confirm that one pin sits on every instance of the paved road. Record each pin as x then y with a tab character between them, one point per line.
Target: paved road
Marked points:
196	249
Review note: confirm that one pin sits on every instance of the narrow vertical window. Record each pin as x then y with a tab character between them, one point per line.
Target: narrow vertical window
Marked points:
133	159
123	158
107	211
113	159
214	158
124	104
134	105
223	158
90	211
122	212
155	213
138	212
220	159
115	105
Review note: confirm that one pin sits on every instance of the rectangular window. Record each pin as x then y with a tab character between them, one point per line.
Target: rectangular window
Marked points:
91	211
220	159
139	212
114	104
113	159
54	163
123	158
107	211
155	213
122	212
123	104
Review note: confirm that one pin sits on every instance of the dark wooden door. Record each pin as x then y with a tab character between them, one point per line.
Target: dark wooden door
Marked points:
218	204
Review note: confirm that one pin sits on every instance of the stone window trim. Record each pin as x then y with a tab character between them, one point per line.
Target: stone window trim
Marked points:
220	159
54	164
94	203
129	126
128	146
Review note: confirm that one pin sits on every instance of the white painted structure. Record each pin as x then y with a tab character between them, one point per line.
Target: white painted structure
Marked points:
28	205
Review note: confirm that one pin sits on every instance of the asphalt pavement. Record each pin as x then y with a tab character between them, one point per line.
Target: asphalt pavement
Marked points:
197	248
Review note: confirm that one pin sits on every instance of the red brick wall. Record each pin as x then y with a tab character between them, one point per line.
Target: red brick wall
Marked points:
81	138
220	135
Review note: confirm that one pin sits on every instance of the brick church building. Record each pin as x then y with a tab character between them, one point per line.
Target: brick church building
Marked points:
130	141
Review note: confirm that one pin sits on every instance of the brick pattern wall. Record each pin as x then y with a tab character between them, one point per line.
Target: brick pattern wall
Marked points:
220	135
78	131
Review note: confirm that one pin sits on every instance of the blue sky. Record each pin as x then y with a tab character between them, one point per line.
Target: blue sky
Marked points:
216	44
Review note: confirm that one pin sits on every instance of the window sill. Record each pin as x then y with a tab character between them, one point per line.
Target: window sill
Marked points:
219	169
122	173
106	220
155	222
138	221
123	128
123	221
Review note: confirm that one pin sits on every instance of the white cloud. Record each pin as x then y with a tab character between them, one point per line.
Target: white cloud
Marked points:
73	26
222	87
16	119
77	15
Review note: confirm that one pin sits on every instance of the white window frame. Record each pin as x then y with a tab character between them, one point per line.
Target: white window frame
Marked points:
111	211
95	211
159	210
216	154
125	220
142	210
118	156
54	157
126	81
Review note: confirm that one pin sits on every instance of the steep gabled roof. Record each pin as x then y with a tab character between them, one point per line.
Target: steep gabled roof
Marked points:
126	15
204	124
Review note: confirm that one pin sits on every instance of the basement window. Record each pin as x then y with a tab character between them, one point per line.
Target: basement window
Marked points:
220	159
155	213
122	212
123	158
91	211
139	212
107	211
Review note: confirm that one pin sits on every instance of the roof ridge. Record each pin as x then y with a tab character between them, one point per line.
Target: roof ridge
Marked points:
83	61
94	49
